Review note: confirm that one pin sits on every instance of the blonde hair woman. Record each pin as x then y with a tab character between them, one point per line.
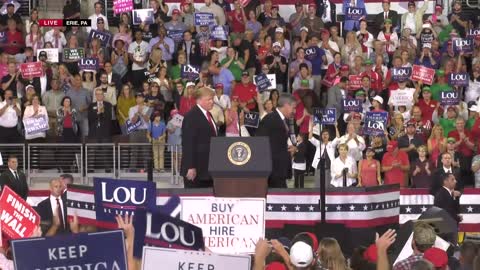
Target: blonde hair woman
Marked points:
436	143
330	255
351	49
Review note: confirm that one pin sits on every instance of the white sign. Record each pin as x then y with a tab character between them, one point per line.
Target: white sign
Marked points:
273	81
230	225
407	250
401	98
177	120
52	54
182	259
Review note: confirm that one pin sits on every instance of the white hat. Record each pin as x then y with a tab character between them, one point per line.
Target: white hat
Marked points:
474	108
277	44
279	30
301	254
155	80
190	84
379	99
427	45
28	86
303	28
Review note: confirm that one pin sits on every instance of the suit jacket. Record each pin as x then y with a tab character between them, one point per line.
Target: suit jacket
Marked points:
194	55
335	99
100	125
196	136
20	186
380	20
437	180
36	82
44	209
273	127
444	200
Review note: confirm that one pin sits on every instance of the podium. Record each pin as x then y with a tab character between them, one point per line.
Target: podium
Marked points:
240	166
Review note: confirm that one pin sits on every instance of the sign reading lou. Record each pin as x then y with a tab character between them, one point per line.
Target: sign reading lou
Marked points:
230	225
375	123
18	218
181	259
102	250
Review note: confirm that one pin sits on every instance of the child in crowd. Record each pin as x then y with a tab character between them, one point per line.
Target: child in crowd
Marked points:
299	163
156	135
174	128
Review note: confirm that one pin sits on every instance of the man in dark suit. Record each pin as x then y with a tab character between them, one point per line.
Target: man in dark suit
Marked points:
275	126
336	94
100	118
386	13
14	179
53	210
448	198
112	78
411	141
198	127
444	167
191	49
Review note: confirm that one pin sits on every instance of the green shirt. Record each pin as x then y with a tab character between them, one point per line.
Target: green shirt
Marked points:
436	89
175	72
447	125
234	68
469	123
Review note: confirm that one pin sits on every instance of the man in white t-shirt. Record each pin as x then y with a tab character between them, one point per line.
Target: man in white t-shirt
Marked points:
138	53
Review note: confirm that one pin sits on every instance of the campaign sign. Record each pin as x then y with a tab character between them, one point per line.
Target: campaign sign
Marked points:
352	105
354	14
120	6
464	45
176	35
311	53
252	119
101	250
32	69
52	54
154	228
401	74
119	197
401	98
219	32
329	116
150	76
472	33
18	218
88	64
271	77
262	82
104	37
3	37
34	125
73	54
144	16
132	127
449	98
458	79
190	72
230	225
177	120
424	74
354	82
181	259
375	123
204	18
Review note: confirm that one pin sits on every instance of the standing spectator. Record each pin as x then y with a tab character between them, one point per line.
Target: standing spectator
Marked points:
156	135
216	10
51	99
190	48
252	24
421	169
387	14
369	170
15	41
174	140
343	168
395	165
423	238
138	54
175	24
56	38
14	179
436	144
413	19
123	34
246	92
459	19
317	58
140	112
81	99
313	23
355	142
426	104
446	167
79	34
71	10
237	18
410	141
232	128
197	130
351	25
274	126
119	59
67	127
296	19
221	75
299	163
220	98
246	51
295	65
447	198
234	63
10	111
165	43
36	110
365	38
336	95
34	39
324	154
438	19
100	118
351	49
187	101
10	15
9	81
98	14
277	64
465	145
126	100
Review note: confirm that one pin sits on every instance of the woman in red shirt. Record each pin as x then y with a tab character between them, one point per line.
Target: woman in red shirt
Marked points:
369	170
187	102
237	18
333	69
302	117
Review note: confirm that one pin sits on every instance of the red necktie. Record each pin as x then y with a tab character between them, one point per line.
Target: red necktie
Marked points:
210	122
60	214
386	15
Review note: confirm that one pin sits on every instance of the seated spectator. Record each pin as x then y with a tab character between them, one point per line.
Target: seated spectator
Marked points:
369	170
421	169
343	168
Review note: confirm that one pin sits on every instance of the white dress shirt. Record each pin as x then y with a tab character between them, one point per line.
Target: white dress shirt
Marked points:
223	101
448	170
9	118
337	168
319	152
354	149
49	37
53	202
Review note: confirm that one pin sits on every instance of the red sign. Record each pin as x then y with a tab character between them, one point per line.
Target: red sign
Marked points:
424	74
354	82
32	69
18	219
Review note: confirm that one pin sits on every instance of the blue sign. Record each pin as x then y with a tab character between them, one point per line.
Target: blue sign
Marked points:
458	79
132	127
352	105
401	74
472	33
119	197
3	37
144	16
262	82
204	19
34	125
449	98
102	250
354	14
464	45
104	37
219	32
189	72
252	119
90	64
160	230
324	116
176	35
375	123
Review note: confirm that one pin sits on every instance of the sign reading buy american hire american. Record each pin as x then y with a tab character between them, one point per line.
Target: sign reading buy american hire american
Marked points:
230	225
182	259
